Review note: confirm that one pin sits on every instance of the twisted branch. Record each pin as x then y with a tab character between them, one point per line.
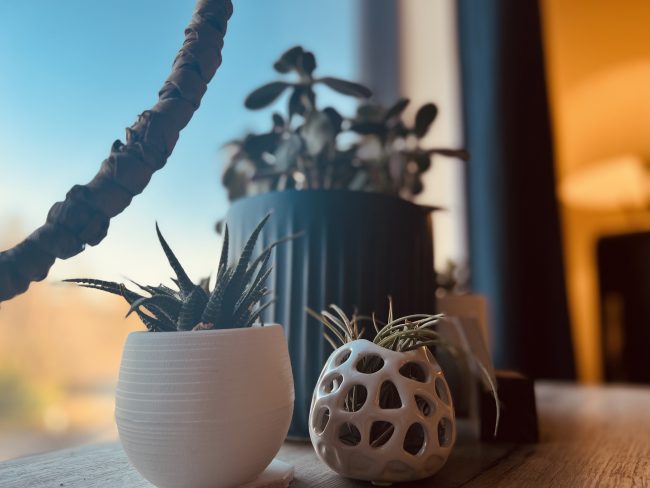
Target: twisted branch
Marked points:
83	217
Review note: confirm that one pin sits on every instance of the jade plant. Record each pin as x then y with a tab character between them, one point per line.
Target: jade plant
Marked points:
378	152
234	301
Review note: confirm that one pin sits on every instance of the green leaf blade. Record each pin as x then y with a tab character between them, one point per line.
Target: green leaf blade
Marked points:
265	95
345	87
424	118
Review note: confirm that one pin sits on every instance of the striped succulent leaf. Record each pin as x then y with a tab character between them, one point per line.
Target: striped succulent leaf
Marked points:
182	280
192	308
235	300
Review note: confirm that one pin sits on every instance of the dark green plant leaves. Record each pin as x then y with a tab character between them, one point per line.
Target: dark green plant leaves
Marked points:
255	145
397	109
451	153
192	309
377	150
424	118
317	132
288	60
302	100
296	59
247	252
335	118
158	304
346	87
288	152
278	121
414	184
150	323
370	111
234	301
265	95
307	63
205	284
183	281
212	310
368	128
223	259
423	160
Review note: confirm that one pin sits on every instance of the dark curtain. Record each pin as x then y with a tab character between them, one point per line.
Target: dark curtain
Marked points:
515	243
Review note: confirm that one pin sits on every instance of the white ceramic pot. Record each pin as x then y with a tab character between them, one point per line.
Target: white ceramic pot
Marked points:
204	409
381	415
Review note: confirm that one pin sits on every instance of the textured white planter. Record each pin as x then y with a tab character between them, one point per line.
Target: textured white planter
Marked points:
361	444
204	409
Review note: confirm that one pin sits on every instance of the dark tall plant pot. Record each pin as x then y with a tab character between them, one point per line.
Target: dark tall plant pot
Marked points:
357	248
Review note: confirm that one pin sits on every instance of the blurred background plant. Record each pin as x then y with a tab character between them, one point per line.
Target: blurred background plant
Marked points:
319	148
454	278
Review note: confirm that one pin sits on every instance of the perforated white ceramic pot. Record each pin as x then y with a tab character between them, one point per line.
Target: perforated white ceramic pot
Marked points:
381	415
204	409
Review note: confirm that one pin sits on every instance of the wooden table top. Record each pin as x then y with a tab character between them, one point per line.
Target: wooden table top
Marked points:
590	436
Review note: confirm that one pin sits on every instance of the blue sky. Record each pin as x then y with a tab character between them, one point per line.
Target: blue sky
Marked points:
75	73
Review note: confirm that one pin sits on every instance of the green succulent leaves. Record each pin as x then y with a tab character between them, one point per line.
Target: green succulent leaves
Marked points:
379	152
303	64
265	95
291	60
346	87
234	302
424	118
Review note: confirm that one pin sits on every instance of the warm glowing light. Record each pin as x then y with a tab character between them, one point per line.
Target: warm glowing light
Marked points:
620	183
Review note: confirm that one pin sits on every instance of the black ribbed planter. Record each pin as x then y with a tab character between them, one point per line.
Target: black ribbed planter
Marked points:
357	248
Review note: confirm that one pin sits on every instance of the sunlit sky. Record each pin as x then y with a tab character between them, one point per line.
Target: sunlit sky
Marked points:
76	73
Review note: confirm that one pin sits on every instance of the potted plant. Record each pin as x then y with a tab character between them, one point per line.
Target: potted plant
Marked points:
346	182
204	397
381	410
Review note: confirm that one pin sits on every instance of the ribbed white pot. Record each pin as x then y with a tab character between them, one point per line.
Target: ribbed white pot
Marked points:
402	426
204	409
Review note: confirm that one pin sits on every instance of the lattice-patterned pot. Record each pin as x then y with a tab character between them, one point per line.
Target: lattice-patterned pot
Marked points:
381	415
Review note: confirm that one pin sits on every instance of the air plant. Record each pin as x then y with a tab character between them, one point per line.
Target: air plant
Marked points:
235	300
303	150
402	334
397	334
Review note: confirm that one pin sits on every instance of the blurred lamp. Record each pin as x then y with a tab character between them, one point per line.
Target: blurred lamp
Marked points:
619	183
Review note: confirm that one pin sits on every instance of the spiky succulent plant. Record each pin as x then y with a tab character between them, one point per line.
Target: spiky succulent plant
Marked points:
235	300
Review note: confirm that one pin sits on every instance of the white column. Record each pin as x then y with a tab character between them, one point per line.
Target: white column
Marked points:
430	73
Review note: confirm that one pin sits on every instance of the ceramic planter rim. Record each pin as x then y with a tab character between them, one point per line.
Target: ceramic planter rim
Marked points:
391	352
339	191
228	331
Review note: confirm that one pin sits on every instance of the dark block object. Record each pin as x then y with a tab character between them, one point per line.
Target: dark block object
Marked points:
518	421
356	249
624	281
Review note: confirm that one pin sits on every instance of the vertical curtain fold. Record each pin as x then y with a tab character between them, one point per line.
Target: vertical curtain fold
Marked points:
514	232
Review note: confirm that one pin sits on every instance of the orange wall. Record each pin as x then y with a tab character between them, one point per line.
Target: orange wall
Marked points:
598	60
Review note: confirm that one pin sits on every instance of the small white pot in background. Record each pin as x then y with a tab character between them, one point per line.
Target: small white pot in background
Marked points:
402	425
204	409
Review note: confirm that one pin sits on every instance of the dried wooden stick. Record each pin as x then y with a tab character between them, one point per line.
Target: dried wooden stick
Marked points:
83	217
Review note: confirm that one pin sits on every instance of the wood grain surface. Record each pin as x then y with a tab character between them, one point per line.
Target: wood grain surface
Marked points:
595	436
